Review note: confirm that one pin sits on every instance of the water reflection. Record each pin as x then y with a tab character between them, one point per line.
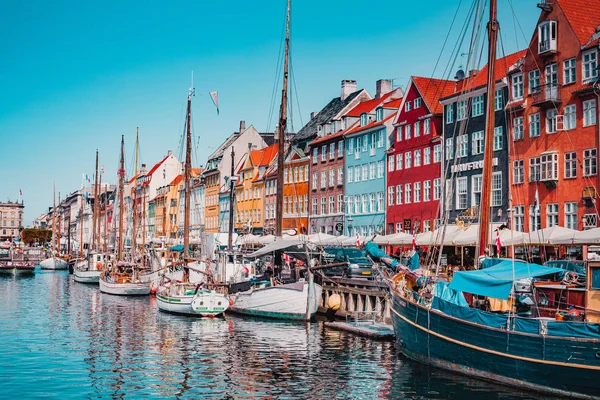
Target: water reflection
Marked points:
62	338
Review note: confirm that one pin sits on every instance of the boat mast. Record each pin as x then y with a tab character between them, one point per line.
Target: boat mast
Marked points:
105	247
99	217
95	211
81	226
58	230
121	186
484	229
187	174
231	200
281	128
54	220
134	197
143	224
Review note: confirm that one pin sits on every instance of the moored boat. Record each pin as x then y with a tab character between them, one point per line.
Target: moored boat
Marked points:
54	263
88	270
124	279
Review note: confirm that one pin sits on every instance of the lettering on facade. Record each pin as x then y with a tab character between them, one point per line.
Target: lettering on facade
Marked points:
407	225
470	166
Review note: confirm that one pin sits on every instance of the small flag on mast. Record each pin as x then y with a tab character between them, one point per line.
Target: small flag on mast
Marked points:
498	244
20	192
215	99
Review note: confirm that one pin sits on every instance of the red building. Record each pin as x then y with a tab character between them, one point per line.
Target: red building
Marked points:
553	114
414	161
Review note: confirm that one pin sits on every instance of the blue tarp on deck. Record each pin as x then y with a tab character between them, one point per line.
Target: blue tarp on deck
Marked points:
497	281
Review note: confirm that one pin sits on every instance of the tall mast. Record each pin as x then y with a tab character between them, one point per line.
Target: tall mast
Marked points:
143	223
58	230
187	174
134	195
121	187
99	217
81	226
95	212
105	247
484	223
281	128
137	148
54	220
231	200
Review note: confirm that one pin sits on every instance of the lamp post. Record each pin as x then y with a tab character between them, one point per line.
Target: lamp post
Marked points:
350	220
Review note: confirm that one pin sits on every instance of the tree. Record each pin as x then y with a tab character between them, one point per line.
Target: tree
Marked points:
33	235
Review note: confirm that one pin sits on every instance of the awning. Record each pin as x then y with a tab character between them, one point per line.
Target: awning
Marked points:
399	238
280	244
497	281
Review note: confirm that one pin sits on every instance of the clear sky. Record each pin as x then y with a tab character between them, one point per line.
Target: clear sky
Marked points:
76	75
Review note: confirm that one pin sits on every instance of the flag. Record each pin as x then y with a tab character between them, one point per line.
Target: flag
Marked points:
164	173
536	205
498	244
102	170
357	241
414	241
20	192
215	99
87	178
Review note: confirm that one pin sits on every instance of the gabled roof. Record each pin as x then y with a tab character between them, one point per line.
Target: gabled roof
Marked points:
325	115
157	165
367	106
583	16
373	124
261	158
333	136
177	180
432	90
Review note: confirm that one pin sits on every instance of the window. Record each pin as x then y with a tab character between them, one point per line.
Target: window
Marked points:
449	150
350	142
380	202
315	207
570	121
546	36
437	188
341	148
380	139
571	165
534	125
589	162
391	163
476	185
372	170
371	202
408	106
589	112
518	172
534	81
407	134
497	189
398	194
570	71
417	192
408	160
477	143
426	225
498	138
426	126
449	113
437	153
551	215
295	175
331	204
300	174
363	119
323	205
417	158
398	227
427	156
364	203
315	155
380	169
549	167
365	143
518	128
357	173
390	195
461	110
551	120
331	177
399	134
365	172
340	176
324	152
535	221
590	221
461	193
323	179
517	87
373	143
571	215
407	193
332	151
590	65
357	204
498	100
417	103
285	175
417	128
399	162
379	114
350	174
477	106
426	190
519	218
462	144
534	169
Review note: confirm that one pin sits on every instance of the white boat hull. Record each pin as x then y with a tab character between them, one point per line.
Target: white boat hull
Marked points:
125	289
54	263
297	301
204	304
86	276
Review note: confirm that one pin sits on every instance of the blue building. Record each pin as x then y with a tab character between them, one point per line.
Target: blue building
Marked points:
367	140
224	208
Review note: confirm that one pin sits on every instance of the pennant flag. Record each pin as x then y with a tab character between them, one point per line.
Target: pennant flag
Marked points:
20	192
414	242
498	244
87	178
215	99
102	171
357	241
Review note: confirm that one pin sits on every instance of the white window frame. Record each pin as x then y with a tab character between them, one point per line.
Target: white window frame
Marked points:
589	113
462	190
535	125
589	65
477	106
570	71
518	128
517	86
477	142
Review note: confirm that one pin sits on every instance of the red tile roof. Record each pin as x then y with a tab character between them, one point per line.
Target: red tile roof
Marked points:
336	135
157	165
177	179
393	103
367	106
432	90
583	16
369	126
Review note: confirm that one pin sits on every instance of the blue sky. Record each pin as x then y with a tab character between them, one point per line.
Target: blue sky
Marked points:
77	75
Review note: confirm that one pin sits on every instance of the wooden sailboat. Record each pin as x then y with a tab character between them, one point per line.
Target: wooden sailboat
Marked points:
123	277
180	296
54	262
434	324
298	300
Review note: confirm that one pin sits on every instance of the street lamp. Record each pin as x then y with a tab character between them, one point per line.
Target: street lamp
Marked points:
350	220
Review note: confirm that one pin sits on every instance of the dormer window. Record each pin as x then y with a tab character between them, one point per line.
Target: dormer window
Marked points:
363	119
547	37
417	102
590	65
408	106
379	114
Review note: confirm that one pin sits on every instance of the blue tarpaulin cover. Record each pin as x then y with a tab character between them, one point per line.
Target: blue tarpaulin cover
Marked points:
442	291
375	252
497	281
179	247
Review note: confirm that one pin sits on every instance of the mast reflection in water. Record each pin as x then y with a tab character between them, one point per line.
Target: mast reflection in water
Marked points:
67	340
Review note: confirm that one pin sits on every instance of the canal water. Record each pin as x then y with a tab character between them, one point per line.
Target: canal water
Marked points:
64	340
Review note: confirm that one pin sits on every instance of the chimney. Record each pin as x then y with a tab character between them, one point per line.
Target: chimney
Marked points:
348	87
313	114
382	87
170	153
473	72
242	126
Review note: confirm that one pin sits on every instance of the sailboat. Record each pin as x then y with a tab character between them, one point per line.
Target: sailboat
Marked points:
54	262
88	269
264	298
120	276
181	296
434	323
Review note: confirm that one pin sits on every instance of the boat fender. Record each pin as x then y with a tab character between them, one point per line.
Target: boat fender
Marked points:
99	265
598	355
153	289
334	302
231	301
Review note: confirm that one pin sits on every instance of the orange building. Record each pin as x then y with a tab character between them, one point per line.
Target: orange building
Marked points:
295	191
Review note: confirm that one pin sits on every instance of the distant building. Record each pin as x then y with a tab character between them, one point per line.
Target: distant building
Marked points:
11	219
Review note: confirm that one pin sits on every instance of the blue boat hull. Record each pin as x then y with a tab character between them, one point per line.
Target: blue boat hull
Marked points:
559	366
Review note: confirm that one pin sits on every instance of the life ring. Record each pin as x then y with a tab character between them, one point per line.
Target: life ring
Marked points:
99	265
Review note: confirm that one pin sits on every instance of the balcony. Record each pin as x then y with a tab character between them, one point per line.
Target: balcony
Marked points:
547	48
588	195
546	96
372	151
